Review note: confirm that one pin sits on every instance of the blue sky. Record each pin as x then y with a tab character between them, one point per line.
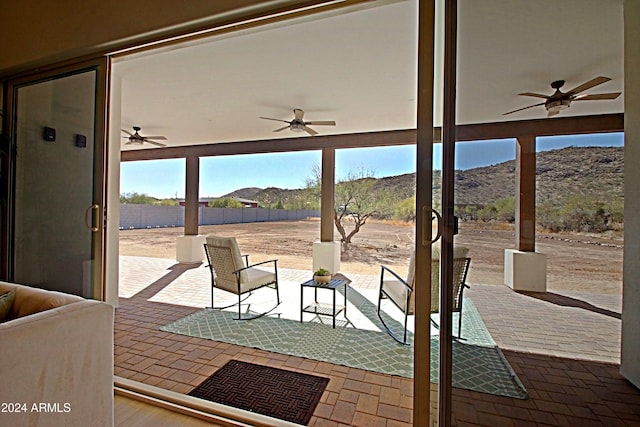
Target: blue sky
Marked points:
224	174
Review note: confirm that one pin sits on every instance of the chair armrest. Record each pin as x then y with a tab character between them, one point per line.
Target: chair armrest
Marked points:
274	261
384	268
464	277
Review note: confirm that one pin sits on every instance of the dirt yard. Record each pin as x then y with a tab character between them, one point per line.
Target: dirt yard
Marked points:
583	262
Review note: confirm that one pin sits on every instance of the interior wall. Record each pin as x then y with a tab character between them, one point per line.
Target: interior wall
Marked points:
41	31
630	358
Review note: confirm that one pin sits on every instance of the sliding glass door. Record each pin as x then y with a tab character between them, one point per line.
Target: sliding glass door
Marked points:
56	191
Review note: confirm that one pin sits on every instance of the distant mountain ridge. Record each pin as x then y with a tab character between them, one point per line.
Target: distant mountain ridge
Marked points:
244	193
596	171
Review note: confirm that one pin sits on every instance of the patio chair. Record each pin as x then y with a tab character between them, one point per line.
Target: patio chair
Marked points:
460	269
230	273
400	291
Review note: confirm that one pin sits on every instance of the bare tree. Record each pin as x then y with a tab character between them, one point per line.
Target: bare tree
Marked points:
356	200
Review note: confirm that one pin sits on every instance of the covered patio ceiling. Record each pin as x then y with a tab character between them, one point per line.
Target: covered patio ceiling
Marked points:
357	66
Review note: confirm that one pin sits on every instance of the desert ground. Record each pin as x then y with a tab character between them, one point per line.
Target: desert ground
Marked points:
585	262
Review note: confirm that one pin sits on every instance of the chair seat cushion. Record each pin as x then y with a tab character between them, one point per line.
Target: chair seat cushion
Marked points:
257	277
397	292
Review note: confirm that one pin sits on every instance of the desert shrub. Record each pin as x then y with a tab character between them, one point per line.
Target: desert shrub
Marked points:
405	210
225	202
137	199
505	209
467	212
487	213
500	210
580	213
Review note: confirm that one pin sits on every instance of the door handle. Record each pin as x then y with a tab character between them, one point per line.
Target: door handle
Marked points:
94	212
434	215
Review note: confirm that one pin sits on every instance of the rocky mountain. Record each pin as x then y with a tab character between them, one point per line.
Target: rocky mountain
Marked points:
596	171
244	193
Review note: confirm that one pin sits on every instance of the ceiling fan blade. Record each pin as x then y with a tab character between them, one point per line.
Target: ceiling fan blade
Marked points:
520	109
127	132
282	128
159	144
160	137
597	96
588	85
298	113
553	113
276	120
322	122
310	131
537	95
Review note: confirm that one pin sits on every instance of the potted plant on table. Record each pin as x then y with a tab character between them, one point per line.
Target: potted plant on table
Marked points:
322	275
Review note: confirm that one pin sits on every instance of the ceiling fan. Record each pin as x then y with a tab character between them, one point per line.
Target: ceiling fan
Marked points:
137	139
562	100
299	125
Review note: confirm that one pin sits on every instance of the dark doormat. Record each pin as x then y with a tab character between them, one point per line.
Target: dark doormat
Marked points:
287	395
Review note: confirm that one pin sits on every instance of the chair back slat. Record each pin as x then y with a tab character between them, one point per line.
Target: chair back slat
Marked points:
224	258
460	268
402	293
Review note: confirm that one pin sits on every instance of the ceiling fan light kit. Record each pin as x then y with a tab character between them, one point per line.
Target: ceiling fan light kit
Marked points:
297	127
558	105
559	100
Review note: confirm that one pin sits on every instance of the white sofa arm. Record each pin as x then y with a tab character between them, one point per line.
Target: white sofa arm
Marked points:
56	367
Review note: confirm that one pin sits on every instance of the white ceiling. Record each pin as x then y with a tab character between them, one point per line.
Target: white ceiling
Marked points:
359	69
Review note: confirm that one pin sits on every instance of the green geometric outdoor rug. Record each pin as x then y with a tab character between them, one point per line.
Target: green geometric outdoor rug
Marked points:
478	364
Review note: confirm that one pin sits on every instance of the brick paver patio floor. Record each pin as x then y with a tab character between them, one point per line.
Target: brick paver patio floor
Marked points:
565	348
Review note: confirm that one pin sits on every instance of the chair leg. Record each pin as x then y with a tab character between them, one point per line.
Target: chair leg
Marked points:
389	331
406	316
459	323
240	299
277	287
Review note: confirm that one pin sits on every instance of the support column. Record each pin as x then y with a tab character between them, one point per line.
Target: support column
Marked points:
524	269
326	252
526	194
327	201
189	248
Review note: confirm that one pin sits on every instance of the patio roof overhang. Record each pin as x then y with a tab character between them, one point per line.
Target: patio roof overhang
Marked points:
471	132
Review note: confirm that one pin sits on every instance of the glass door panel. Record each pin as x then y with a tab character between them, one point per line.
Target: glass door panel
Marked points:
57	212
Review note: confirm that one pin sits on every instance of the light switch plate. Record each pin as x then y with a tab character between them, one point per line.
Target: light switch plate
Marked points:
81	141
49	134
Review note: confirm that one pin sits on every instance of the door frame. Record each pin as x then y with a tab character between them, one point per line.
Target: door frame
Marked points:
101	66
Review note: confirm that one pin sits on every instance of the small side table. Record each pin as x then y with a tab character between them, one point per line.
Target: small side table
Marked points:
324	309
